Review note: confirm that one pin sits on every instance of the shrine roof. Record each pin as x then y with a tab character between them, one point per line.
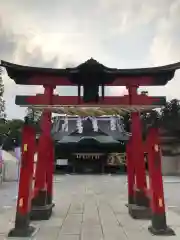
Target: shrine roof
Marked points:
103	134
89	139
77	75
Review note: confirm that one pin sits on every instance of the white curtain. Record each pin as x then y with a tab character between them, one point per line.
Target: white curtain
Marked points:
65	125
113	124
79	125
94	124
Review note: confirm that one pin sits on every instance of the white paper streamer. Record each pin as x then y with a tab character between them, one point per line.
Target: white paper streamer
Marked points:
95	124
65	124
113	124
79	125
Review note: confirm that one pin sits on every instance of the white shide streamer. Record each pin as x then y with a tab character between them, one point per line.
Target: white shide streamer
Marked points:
65	124
95	124
79	125
113	124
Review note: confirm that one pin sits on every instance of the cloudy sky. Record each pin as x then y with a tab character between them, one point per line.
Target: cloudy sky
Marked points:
118	33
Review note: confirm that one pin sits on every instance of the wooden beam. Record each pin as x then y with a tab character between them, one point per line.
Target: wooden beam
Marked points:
64	81
59	101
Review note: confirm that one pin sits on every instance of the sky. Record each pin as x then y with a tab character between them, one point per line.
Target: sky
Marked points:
61	33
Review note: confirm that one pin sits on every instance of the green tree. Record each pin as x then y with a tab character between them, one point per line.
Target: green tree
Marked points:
33	114
11	133
170	115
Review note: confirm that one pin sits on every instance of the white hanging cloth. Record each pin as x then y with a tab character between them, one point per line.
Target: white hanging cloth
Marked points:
94	124
79	125
65	124
113	124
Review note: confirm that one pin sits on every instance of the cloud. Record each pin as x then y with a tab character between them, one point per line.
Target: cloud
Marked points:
17	48
118	33
165	46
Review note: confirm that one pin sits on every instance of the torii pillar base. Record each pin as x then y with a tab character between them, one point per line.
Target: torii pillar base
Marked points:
41	212
28	232
139	212
159	226
141	199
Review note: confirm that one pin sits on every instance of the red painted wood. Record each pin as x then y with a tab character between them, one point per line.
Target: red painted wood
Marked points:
130	170
43	144
138	152
73	100
40	175
155	174
64	81
26	171
50	168
137	100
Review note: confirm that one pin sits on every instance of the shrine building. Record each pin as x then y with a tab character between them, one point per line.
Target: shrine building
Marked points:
90	144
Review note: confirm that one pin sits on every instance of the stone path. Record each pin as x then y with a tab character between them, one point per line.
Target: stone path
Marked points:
90	208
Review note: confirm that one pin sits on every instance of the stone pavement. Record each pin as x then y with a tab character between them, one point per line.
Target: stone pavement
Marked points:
90	207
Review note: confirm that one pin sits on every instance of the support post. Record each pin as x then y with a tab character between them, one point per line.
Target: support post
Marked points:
140	209
139	162
41	203
158	220
22	220
130	173
50	171
40	193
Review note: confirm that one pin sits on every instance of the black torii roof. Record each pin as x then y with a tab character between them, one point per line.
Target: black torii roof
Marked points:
91	69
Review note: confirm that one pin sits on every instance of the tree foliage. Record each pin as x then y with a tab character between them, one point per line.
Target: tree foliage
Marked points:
170	115
33	114
11	133
167	118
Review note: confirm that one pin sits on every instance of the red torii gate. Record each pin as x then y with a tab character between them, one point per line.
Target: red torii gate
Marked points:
90	75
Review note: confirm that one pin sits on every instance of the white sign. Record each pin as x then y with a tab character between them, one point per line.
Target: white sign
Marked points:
62	162
88	155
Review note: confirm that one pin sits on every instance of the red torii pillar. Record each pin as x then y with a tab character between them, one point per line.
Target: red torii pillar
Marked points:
49	173
42	201
22	220
138	159
140	207
158	219
130	172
